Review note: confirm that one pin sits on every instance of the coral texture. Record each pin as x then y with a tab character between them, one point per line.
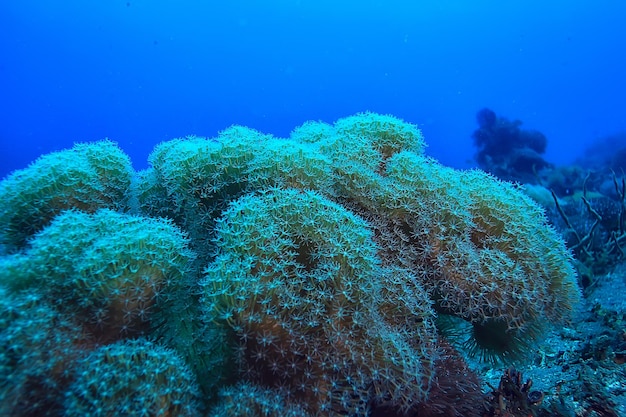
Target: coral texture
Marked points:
298	280
87	177
323	271
37	347
193	180
481	247
110	268
249	400
132	378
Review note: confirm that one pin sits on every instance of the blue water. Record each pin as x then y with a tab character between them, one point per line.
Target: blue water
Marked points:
143	71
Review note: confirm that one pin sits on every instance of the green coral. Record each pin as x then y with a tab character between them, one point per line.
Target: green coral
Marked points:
37	348
387	134
298	280
326	257
194	178
132	378
111	267
249	400
481	247
87	177
484	248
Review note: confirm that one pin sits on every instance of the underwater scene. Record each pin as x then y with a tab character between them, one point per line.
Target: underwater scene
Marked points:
313	208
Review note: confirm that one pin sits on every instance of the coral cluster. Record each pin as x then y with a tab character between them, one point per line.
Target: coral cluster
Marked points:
480	246
302	276
193	180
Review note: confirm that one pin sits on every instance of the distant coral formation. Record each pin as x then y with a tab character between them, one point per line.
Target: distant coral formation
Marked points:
508	151
329	273
585	201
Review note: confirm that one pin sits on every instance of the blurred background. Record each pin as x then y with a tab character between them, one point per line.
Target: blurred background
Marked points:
143	71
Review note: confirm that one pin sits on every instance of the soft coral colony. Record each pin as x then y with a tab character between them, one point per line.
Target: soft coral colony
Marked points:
251	275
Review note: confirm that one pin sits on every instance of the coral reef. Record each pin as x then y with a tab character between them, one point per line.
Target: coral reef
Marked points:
474	241
308	270
193	180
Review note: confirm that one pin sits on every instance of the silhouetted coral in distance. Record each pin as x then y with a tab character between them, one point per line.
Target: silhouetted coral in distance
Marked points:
506	150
